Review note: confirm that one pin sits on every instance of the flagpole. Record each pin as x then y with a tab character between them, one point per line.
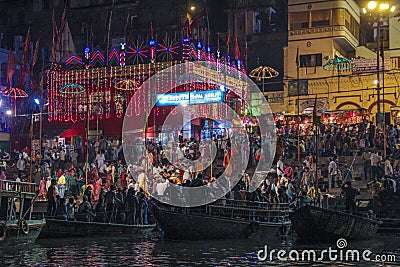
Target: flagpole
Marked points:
298	106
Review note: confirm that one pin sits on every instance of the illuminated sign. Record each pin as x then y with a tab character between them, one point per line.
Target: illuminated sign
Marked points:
190	98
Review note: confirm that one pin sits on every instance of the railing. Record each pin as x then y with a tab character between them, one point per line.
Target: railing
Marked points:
249	210
241	209
18	187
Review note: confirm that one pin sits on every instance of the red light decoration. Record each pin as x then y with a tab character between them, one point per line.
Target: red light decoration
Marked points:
15	93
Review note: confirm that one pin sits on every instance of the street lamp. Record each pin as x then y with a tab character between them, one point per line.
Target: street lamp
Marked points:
40	105
377	12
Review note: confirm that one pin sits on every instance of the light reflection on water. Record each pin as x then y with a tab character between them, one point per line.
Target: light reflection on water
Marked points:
122	252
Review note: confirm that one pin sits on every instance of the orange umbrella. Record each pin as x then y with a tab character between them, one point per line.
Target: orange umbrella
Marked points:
262	73
15	93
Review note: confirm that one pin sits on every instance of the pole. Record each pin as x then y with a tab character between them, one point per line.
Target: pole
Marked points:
378	113
31	150
383	96
298	111
87	139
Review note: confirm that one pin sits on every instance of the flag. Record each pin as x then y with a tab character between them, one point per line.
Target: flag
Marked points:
297	58
35	53
24	61
53	41
237	49
11	67
196	19
186	27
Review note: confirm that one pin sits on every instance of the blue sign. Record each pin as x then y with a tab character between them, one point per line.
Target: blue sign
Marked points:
190	98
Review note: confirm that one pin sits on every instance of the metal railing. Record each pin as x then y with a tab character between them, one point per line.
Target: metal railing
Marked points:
250	210
18	187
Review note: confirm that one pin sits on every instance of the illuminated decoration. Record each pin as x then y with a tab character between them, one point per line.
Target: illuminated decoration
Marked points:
190	98
138	51
185	49
218	60
263	72
187	78
199	47
339	64
15	93
168	49
152	45
193	52
127	85
113	55
72	89
73	59
87	57
122	55
97	55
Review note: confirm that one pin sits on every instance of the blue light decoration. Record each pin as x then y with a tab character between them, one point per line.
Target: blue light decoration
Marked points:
121	59
190	98
152	45
228	63
87	51
185	49
199	47
218	60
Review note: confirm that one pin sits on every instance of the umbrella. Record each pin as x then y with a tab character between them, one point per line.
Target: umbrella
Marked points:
72	89
339	64
262	73
15	93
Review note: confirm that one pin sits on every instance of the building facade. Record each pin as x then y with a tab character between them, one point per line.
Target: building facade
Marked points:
320	35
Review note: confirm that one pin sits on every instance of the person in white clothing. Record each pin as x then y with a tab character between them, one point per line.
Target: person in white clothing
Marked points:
279	167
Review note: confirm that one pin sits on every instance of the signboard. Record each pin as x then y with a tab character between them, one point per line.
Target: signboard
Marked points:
369	65
302	90
191	98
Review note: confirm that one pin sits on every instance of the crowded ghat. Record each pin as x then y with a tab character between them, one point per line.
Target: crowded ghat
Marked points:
106	189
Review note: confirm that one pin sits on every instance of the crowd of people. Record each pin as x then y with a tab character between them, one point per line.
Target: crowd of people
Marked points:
336	139
121	191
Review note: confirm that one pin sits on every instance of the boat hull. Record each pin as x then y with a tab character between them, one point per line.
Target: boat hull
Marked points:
319	224
66	229
185	226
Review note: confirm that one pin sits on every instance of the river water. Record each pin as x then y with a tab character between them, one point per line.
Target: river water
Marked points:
124	252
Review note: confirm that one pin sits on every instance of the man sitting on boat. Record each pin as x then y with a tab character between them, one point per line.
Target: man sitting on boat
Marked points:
85	211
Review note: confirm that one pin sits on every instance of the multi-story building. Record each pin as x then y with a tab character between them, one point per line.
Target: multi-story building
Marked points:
321	34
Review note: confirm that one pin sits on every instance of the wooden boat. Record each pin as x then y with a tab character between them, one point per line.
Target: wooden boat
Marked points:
16	202
320	224
65	229
219	220
29	228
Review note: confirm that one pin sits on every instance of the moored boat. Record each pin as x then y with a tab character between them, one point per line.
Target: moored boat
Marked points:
66	229
313	224
224	219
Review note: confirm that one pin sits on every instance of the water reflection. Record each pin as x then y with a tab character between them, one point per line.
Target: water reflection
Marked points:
117	252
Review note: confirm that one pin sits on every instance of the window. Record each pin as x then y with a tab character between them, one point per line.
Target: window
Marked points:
320	18
299	20
312	60
338	17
